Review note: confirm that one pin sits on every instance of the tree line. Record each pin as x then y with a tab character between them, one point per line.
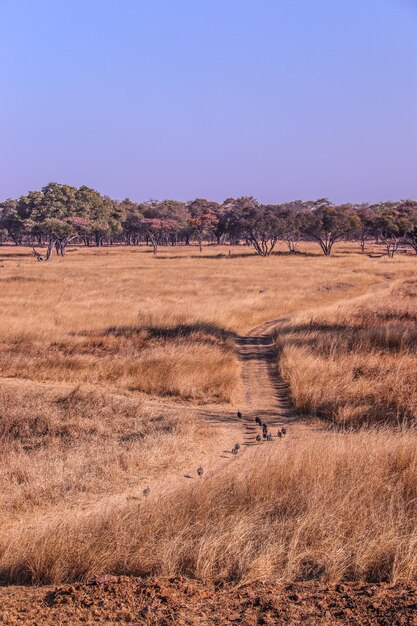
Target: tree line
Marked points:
58	215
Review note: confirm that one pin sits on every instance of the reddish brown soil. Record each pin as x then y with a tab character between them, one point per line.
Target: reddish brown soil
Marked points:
176	601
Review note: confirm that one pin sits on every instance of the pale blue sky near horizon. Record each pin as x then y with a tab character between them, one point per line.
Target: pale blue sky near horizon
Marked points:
279	99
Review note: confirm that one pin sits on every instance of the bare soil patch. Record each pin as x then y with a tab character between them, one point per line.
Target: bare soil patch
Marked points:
177	601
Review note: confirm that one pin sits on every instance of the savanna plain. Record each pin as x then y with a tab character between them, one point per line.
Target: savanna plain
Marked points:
121	373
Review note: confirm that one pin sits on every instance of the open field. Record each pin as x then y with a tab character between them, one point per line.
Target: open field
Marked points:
121	370
355	363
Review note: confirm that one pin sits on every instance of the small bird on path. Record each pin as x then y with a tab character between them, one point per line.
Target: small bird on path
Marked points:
284	431
200	471
258	438
239	414
146	492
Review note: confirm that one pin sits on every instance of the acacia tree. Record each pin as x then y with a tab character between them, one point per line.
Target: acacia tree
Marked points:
132	225
203	220
231	225
391	226
410	208
173	216
367	224
12	223
89	221
327	223
47	214
58	234
101	216
158	230
292	216
259	225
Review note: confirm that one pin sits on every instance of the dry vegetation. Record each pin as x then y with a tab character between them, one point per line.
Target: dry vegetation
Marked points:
108	362
327	507
356	363
63	448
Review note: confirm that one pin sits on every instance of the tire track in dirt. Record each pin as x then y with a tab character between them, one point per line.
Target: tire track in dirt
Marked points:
265	392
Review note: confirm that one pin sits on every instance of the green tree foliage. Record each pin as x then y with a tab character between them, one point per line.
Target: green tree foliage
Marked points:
203	220
409	207
59	214
391	225
328	223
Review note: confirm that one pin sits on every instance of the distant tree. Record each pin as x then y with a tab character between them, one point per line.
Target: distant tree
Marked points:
409	207
133	221
220	228
367	224
261	226
159	230
293	217
89	219
230	218
391	226
11	222
57	232
117	216
46	214
327	223
173	217
203	219
3	235
102	214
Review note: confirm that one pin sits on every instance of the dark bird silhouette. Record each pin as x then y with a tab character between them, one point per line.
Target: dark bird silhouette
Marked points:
200	471
146	492
258	420
284	431
258	437
269	437
235	450
237	446
279	434
239	414
264	429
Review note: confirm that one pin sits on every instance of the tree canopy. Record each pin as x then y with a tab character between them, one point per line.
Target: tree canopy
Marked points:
59	214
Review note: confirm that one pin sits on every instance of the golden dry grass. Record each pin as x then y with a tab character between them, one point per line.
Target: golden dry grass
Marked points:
356	363
330	507
66	447
109	358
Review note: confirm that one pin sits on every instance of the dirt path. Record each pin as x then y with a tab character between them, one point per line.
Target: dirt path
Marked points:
265	393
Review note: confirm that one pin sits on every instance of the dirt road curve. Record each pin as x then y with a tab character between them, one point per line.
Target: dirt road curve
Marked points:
265	394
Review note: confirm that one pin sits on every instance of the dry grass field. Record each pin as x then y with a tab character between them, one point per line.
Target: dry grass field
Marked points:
355	364
120	370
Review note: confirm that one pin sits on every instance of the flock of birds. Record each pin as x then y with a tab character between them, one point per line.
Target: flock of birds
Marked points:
266	436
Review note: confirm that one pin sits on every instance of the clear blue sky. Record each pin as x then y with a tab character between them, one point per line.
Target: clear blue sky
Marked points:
279	99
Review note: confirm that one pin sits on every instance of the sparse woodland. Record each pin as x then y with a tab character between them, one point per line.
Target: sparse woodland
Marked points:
60	215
